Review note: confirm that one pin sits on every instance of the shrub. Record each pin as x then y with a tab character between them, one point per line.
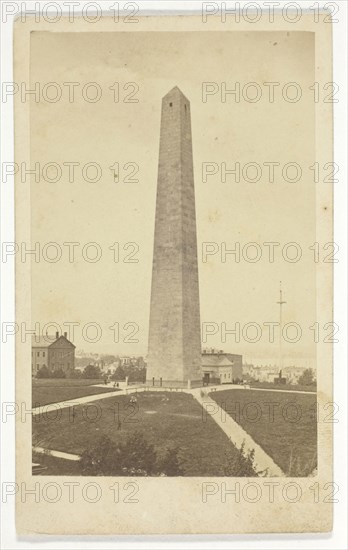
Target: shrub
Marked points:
240	463
307	378
91	371
72	373
59	373
170	464
301	468
43	373
134	457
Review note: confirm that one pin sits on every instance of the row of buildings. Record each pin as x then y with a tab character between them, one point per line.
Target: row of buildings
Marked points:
58	353
218	367
267	373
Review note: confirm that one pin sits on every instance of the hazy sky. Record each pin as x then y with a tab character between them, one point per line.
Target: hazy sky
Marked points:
107	212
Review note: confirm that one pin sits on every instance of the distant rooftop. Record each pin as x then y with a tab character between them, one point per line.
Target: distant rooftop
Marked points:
211	359
39	341
45	340
217	351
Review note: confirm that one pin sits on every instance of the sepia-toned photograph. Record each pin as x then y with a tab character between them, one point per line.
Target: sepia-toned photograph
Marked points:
174	271
178	338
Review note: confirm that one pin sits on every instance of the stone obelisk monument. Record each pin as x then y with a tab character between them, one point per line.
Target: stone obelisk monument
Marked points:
174	355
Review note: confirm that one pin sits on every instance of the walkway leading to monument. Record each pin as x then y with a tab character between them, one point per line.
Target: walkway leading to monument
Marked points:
57	454
236	433
134	389
44	409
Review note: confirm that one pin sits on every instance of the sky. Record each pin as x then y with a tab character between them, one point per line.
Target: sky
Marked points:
145	66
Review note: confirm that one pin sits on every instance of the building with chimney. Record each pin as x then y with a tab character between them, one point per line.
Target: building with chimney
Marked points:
54	352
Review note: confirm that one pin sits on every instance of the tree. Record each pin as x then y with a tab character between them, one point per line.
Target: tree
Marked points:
82	361
135	374
73	373
119	374
108	359
307	378
91	371
43	373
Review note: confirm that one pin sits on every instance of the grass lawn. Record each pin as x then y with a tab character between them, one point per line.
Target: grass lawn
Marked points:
283	387
289	435
53	465
54	390
165	419
67	381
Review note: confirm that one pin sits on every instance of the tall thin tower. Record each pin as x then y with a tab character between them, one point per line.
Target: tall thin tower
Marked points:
174	354
281	303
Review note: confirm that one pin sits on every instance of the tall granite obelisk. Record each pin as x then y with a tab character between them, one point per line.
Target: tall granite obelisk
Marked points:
174	355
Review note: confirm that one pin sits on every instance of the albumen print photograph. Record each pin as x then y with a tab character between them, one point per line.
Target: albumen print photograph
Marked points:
175	291
174	276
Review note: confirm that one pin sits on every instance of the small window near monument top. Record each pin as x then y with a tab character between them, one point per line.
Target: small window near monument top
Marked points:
170	104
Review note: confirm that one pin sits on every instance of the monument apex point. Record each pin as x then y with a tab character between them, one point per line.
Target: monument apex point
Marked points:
175	92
